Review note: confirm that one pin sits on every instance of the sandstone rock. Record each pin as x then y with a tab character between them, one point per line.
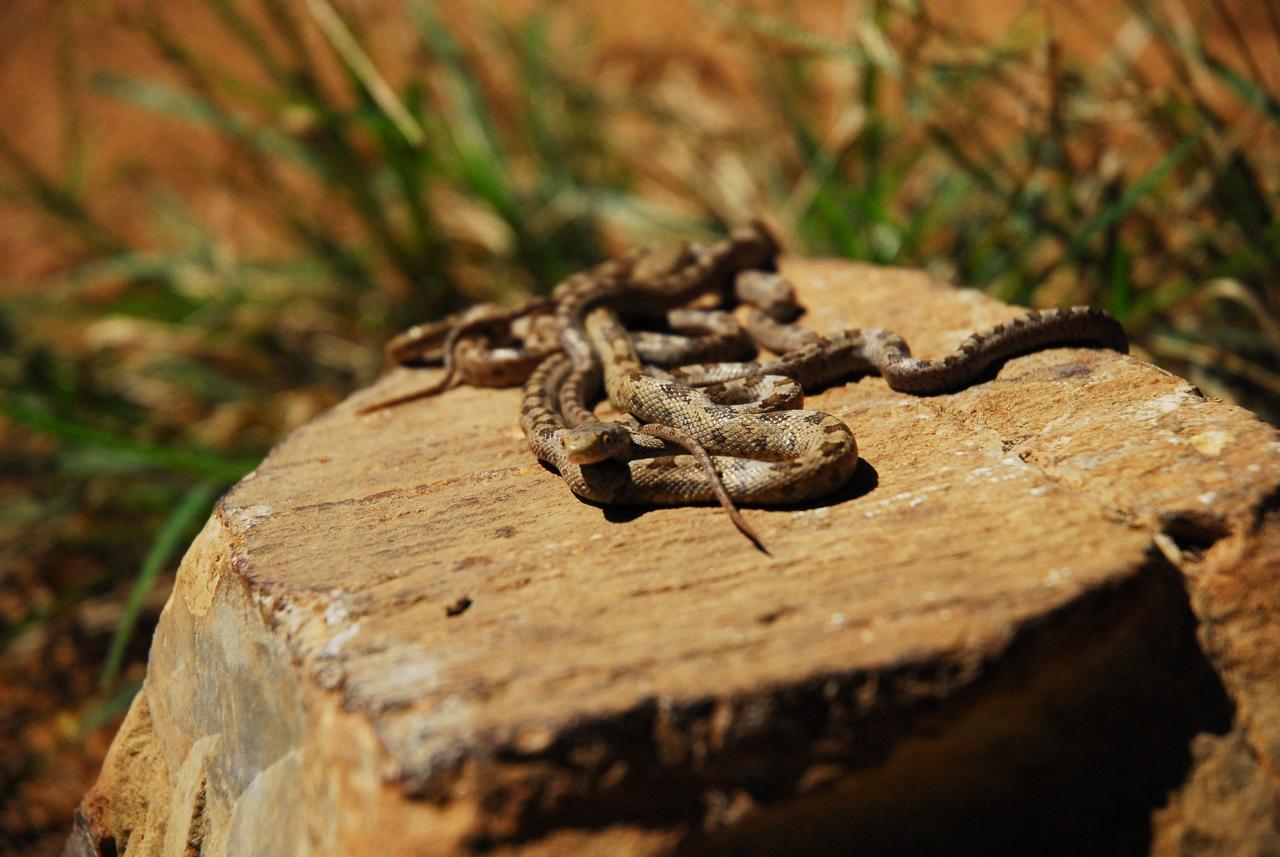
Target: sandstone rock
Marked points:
1041	619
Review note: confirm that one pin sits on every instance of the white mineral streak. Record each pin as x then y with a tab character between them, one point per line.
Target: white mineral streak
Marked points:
333	647
1210	444
244	517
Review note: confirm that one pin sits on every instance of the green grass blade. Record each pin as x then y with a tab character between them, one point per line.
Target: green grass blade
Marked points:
194	506
1249	91
1112	214
55	201
166	101
109	709
359	64
251	38
482	161
125	450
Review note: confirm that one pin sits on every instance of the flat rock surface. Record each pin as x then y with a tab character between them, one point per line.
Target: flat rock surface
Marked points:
401	621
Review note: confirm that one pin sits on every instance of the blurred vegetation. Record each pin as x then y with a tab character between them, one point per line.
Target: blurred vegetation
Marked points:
505	152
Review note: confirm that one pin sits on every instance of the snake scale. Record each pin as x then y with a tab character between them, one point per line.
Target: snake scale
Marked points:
694	430
815	360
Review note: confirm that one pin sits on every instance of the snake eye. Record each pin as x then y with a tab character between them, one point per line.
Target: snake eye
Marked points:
606	439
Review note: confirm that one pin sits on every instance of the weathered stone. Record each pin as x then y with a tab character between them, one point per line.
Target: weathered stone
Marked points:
1044	611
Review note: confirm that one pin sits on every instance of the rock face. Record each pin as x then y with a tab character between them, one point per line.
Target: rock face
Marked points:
1044	617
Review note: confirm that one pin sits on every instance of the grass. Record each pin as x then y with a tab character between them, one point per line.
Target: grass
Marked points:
496	155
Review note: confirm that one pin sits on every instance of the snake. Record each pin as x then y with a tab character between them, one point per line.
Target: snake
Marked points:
668	283
789	455
489	348
653	284
695	431
771	310
467	350
775	456
608	464
762	455
497	347
476	347
815	360
482	347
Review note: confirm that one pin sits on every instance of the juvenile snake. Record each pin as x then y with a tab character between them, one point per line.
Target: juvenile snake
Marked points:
774	456
822	360
789	455
748	442
482	347
670	283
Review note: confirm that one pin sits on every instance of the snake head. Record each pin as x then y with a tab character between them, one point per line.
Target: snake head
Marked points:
593	442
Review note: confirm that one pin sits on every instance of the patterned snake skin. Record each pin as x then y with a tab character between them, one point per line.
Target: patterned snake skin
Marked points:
786	455
671	284
484	347
816	361
778	456
740	421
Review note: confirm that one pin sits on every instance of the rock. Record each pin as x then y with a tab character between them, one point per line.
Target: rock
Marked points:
1044	617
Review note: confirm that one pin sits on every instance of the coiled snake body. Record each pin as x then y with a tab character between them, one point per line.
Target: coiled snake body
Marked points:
748	441
777	456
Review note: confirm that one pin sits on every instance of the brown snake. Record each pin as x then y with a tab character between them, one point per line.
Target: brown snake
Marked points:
778	456
652	283
791	455
748	442
816	360
467	352
747	247
498	347
481	346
